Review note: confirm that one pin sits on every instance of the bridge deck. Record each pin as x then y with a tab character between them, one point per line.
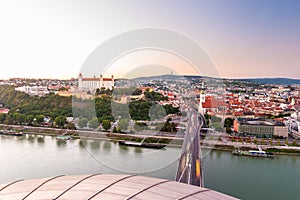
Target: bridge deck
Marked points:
105	187
189	169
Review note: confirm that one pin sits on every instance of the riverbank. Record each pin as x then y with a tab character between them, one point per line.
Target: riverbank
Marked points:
174	140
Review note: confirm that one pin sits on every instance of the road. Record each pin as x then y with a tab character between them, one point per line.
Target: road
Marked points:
190	164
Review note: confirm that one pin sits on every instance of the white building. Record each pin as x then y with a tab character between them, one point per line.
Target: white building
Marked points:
91	84
296	116
34	90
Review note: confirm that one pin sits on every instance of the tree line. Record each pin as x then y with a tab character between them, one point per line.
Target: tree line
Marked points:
33	110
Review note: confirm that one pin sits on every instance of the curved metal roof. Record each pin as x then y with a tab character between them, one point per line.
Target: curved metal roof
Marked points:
105	186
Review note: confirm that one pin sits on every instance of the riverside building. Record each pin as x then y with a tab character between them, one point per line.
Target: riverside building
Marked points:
262	128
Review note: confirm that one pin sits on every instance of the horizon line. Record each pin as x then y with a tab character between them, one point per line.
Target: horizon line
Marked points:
116	77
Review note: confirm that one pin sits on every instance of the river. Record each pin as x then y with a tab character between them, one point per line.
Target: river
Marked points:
33	156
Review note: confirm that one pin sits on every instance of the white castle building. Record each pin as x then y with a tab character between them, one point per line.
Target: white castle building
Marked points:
91	84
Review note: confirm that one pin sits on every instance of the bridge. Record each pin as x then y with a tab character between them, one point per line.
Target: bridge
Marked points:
189	169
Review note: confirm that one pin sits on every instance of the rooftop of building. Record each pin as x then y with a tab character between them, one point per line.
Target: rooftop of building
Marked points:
260	121
105	186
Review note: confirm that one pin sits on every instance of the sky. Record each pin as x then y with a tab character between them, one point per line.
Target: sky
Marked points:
243	38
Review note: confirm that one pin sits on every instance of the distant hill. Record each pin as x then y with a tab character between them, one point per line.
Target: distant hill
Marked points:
282	81
276	81
171	77
162	77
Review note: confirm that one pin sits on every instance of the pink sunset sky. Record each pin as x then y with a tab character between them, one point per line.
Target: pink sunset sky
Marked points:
52	39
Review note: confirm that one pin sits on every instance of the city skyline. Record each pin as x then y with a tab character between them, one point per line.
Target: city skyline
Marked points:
249	39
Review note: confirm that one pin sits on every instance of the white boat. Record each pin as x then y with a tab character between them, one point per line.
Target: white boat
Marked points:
142	144
253	153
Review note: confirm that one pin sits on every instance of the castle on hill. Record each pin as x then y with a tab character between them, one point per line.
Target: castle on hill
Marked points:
91	84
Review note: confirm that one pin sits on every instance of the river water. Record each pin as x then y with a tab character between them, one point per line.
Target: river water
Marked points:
34	156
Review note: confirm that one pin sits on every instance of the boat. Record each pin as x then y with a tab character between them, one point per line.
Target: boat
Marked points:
142	144
253	153
11	132
63	137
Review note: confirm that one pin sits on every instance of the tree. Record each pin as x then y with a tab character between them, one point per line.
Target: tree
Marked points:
207	119
157	112
70	126
82	122
20	118
228	122
169	127
108	91
172	110
97	92
155	96
137	92
102	90
94	123
228	130
106	124
2	117
60	121
215	119
278	143
123	124
139	110
39	119
103	108
49	105
217	126
115	130
29	119
9	120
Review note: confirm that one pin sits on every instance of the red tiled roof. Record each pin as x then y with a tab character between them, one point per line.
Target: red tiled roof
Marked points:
238	113
107	79
211	102
4	110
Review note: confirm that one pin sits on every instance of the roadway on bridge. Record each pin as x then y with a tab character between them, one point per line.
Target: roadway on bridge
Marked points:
190	163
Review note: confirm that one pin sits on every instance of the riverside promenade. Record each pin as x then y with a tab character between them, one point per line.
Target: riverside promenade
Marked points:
176	139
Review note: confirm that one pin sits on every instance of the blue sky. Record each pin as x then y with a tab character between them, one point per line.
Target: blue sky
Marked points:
244	38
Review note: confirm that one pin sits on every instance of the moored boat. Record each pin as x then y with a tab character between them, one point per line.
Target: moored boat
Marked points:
142	144
63	137
11	132
254	153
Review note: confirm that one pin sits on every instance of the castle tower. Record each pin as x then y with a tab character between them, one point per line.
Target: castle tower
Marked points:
80	81
112	80
202	100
